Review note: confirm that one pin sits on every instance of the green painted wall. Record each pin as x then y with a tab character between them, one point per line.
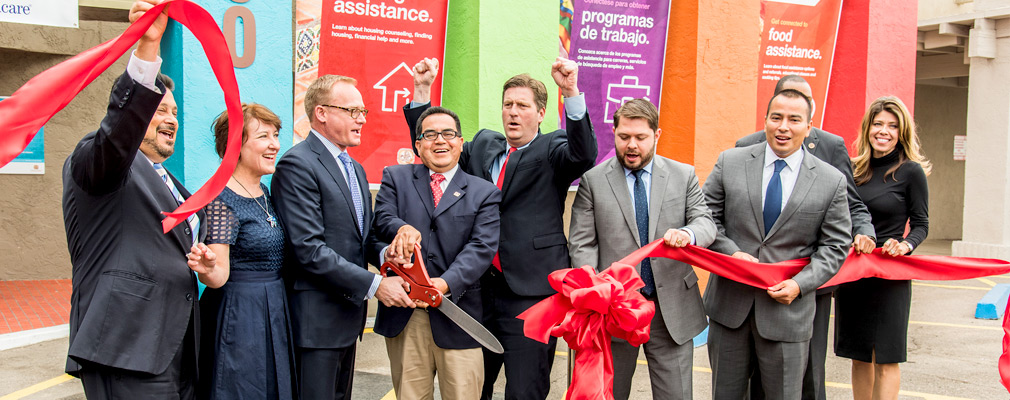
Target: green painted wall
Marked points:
489	41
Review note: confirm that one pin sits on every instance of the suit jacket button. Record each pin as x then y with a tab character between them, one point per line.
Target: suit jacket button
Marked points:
188	232
431	256
189	297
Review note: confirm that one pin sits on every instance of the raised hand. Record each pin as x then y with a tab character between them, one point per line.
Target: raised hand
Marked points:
566	74
147	48
425	72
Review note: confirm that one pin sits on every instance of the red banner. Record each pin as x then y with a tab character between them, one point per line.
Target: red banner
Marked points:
378	44
797	38
32	105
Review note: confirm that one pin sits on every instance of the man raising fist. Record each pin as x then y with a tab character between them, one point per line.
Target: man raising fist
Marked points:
533	171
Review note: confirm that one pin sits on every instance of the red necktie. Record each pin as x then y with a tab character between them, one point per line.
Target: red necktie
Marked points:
436	188
501	179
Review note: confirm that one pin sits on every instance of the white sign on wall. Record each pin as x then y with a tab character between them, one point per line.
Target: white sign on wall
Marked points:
960	147
40	12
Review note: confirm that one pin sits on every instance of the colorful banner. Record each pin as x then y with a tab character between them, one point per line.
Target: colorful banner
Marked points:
61	13
797	38
620	47
378	44
31	161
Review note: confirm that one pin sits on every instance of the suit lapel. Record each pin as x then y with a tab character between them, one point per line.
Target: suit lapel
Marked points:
812	142
660	179
619	184
754	170
453	192
510	168
804	180
330	164
422	184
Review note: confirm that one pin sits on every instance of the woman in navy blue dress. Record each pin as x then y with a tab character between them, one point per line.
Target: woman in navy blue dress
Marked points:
871	314
245	335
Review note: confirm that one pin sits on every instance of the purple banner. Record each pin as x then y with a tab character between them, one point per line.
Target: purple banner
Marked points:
620	47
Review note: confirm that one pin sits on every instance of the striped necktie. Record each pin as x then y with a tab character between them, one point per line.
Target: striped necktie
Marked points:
352	185
194	221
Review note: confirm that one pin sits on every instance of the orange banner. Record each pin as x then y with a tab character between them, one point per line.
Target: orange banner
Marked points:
797	38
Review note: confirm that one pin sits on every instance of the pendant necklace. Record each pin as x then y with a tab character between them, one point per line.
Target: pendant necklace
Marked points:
270	218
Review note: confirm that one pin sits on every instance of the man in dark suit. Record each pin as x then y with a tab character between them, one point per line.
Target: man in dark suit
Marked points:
626	202
455	216
772	202
322	198
830	148
533	172
133	310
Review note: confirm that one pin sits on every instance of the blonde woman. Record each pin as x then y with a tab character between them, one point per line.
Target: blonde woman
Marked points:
871	314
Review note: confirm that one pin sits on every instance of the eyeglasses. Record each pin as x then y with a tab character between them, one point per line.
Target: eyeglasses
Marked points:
448	134
355	111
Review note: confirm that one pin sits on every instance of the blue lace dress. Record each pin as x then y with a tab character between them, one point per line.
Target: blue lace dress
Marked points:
245	336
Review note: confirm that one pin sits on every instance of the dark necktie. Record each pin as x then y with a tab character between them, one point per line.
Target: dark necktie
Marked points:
773	196
501	179
642	219
352	185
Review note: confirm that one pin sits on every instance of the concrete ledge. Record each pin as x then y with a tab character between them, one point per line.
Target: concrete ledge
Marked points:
961	248
32	336
993	303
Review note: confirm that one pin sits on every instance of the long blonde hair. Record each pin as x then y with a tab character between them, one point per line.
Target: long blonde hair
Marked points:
911	150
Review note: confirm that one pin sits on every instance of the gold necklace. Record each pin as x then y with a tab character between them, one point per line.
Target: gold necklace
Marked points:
270	218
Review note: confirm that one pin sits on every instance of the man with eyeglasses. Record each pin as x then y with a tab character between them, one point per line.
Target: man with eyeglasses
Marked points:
534	172
455	217
322	198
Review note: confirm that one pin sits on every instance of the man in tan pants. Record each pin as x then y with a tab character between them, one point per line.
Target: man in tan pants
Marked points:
455	217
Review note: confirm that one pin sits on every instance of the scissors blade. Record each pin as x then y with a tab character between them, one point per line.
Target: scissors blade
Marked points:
470	326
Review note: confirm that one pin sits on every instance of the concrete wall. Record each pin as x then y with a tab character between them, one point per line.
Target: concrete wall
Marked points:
941	113
929	9
32	238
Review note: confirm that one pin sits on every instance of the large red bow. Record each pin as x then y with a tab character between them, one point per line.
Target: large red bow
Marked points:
588	309
43	96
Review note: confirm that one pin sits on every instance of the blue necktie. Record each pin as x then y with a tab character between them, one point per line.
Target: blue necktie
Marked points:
352	185
773	196
193	220
642	219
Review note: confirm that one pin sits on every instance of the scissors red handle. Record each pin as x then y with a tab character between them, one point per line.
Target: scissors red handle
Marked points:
421	286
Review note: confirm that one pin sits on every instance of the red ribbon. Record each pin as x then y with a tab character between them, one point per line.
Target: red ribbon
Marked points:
856	266
32	105
588	309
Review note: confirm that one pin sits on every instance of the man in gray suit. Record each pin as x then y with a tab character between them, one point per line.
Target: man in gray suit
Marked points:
772	202
830	148
626	202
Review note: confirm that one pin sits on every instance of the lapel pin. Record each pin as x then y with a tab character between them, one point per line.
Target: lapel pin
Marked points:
455	194
811	145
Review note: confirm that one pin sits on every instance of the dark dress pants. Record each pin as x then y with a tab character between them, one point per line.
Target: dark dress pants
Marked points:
527	361
325	374
813	377
177	382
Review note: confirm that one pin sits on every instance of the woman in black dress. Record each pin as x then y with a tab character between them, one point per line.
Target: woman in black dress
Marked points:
245	336
871	314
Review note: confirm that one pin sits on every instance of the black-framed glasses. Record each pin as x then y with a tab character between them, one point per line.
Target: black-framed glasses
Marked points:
354	111
447	134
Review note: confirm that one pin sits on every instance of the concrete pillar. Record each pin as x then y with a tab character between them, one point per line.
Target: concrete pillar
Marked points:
987	166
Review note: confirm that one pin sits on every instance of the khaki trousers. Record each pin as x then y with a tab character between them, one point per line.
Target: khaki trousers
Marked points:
414	359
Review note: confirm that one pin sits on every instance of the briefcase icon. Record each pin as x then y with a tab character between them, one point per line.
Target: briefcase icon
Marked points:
619	93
